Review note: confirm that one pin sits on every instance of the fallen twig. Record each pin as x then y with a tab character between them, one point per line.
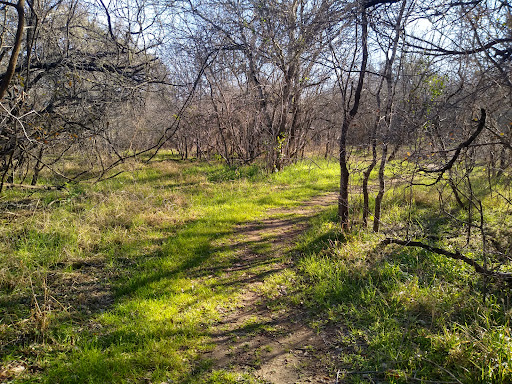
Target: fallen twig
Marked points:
39	187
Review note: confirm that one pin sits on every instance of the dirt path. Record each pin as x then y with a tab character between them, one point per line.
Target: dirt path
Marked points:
273	345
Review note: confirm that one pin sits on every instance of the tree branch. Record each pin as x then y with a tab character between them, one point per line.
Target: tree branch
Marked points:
371	3
465	144
440	51
453	255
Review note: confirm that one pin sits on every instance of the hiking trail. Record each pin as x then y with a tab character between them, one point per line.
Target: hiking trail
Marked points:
273	345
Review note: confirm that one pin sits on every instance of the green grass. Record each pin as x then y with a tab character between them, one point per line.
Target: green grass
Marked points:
121	281
403	313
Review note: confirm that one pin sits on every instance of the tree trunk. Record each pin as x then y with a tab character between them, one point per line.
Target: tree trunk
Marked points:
343	207
382	186
388	117
9	73
366	178
38	167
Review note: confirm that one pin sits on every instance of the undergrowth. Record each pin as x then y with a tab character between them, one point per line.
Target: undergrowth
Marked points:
402	314
120	281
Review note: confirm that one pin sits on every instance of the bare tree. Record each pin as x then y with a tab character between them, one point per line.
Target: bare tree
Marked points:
71	78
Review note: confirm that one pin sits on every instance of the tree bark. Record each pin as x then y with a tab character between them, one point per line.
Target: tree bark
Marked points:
11	68
382	188
343	204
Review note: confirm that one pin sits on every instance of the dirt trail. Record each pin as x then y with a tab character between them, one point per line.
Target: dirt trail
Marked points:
273	345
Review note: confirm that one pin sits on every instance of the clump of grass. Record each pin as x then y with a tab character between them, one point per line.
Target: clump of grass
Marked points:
224	377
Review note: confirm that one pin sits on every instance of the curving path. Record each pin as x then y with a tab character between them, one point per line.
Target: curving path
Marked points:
271	343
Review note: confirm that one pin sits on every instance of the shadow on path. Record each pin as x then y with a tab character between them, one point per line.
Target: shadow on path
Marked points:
274	345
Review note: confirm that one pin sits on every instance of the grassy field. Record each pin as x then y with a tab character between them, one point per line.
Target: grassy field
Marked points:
120	282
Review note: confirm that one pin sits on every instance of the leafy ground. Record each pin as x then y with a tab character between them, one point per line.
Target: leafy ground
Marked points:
182	272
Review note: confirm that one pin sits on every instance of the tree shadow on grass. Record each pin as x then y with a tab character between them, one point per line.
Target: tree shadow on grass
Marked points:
394	309
145	316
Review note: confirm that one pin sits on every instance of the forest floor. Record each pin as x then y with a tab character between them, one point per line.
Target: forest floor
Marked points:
197	273
275	344
171	273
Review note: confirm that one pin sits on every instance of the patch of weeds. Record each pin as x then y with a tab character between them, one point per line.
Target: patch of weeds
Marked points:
225	377
260	353
279	283
223	173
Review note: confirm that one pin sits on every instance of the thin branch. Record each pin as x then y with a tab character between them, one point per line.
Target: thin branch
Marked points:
465	144
372	3
453	255
37	187
440	51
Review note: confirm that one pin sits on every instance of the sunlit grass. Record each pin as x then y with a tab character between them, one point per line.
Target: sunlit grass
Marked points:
120	281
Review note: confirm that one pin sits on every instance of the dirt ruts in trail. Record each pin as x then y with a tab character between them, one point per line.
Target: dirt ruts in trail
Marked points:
273	345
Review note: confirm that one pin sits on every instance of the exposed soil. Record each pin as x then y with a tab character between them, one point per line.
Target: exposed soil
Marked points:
273	345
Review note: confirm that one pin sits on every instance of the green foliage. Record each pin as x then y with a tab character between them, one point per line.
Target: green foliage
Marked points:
436	86
122	281
224	173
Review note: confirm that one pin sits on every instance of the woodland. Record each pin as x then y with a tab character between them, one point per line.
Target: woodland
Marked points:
255	191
